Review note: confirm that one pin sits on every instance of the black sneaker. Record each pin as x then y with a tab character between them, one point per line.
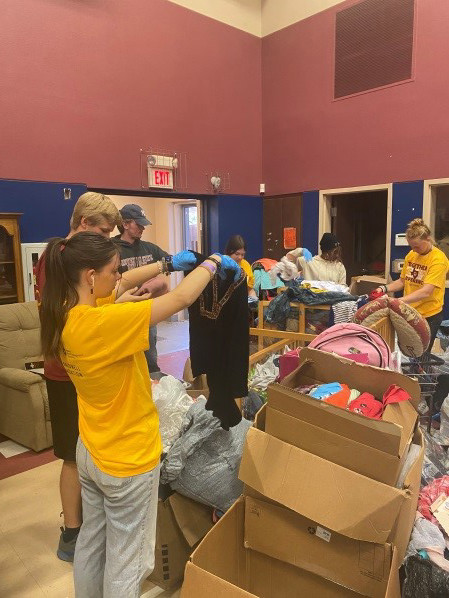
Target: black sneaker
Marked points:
66	550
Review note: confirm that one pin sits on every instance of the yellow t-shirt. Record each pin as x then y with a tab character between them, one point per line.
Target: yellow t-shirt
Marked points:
246	267
103	355
426	269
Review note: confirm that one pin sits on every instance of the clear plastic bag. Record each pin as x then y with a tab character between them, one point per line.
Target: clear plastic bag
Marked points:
172	403
435	460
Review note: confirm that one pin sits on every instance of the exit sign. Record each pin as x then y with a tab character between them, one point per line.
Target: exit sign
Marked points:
160	178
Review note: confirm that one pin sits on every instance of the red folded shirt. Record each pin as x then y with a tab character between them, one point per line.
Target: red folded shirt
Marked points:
395	394
367	405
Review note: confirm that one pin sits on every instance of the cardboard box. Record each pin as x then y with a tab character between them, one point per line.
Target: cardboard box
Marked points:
373	448
223	567
181	524
282	534
336	498
197	386
363	285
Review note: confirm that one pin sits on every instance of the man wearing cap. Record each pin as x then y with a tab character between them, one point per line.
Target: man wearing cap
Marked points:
134	253
327	266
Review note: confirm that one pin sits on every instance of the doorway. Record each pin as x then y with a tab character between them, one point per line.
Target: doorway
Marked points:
361	219
281	225
436	213
176	224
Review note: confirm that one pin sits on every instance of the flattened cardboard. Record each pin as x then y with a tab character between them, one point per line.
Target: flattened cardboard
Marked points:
175	538
400	535
171	549
223	568
329	445
335	497
193	519
280	533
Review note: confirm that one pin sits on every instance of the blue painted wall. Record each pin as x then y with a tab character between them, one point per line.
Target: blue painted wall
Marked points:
407	205
236	215
45	211
310	215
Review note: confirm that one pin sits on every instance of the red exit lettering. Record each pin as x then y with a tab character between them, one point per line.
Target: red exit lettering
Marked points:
162	177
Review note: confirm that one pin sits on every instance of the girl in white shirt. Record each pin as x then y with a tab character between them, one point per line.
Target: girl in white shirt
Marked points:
327	266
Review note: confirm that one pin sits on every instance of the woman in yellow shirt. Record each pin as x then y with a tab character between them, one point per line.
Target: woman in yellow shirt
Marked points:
236	249
101	345
423	277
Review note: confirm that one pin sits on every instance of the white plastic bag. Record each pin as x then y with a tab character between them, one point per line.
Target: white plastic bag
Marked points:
172	403
264	374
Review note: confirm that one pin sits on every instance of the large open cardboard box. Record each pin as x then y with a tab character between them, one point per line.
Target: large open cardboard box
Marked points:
236	560
373	448
363	285
181	524
335	498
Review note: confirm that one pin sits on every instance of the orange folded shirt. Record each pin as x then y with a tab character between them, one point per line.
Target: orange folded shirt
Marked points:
340	398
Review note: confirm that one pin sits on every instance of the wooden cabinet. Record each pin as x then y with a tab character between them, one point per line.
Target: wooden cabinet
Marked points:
11	278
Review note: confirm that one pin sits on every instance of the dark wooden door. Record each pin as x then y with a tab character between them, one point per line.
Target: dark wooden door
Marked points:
280	212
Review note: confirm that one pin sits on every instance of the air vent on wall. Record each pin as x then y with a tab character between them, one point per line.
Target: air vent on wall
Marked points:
373	45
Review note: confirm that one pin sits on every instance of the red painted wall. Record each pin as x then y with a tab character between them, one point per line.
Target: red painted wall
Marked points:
86	83
396	134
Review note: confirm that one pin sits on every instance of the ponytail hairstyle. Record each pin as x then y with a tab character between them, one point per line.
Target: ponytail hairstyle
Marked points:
65	259
417	229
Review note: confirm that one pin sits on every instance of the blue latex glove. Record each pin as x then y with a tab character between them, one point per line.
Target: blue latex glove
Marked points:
227	263
184	260
306	254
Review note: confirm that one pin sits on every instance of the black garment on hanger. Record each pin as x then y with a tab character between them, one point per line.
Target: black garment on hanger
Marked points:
219	344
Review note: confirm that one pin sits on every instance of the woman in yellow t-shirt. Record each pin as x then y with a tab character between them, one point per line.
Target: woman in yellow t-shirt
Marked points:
101	345
236	249
423	277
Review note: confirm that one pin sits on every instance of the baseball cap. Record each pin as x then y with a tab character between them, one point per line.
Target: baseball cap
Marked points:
134	212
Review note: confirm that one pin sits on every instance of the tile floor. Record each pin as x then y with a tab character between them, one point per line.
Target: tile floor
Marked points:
29	532
172	337
30	505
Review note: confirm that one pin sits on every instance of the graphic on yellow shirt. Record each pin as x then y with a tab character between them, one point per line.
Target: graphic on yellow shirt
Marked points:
419	270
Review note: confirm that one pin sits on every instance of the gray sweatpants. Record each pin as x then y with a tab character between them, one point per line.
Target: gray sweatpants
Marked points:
115	548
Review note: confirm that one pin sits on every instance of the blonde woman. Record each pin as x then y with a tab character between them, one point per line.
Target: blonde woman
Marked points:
423	277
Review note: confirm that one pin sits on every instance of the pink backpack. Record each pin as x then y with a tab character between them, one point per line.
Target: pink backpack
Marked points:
349	340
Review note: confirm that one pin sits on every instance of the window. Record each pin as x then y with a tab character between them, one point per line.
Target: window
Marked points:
190	227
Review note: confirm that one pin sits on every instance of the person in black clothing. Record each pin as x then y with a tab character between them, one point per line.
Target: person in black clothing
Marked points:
134	253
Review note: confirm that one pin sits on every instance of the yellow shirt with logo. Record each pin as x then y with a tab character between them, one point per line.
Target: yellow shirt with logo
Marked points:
419	270
103	355
246	267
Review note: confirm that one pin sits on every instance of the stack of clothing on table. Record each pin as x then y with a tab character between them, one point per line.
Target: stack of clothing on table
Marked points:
279	309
